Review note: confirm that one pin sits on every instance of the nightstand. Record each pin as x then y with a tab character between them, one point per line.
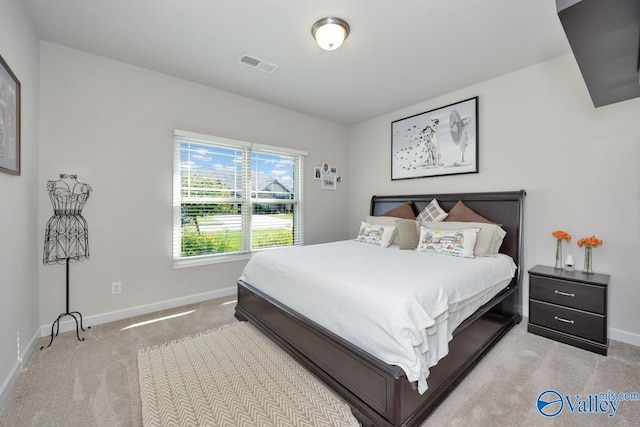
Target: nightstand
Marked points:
570	307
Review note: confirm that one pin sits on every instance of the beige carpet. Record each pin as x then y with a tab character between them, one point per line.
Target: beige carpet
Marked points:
96	382
233	376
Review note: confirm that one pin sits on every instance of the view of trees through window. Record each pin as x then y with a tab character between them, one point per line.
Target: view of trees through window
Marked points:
217	217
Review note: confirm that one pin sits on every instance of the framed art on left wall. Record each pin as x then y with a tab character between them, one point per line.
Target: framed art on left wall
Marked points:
9	120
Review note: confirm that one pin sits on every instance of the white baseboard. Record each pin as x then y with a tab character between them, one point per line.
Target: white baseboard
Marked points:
624	336
70	325
8	383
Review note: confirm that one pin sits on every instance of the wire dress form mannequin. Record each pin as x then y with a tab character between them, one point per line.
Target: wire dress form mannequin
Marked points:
66	237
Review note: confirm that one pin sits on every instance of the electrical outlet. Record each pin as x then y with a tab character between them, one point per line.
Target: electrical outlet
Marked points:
116	288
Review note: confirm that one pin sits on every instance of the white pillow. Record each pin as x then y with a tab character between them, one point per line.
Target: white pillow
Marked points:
488	240
433	212
380	235
385	220
448	242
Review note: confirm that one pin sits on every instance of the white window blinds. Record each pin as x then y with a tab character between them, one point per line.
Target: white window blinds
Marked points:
234	197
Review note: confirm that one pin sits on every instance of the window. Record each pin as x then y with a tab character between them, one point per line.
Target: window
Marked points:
234	197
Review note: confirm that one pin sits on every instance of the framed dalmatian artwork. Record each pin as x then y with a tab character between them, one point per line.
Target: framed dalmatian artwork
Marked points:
438	142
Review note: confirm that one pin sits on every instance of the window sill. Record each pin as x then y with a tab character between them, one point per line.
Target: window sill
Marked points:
209	260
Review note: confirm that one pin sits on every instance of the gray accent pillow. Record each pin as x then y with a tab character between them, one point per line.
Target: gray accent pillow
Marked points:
407	234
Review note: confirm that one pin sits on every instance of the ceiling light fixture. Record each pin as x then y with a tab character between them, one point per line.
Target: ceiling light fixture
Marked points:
330	32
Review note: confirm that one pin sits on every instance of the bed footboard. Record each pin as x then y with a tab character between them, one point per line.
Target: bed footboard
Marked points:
379	394
365	382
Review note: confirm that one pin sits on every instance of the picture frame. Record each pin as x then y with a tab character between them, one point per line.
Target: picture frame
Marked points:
328	181
9	120
443	141
317	173
325	167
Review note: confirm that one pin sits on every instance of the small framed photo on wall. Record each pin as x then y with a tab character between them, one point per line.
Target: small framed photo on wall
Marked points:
328	181
325	167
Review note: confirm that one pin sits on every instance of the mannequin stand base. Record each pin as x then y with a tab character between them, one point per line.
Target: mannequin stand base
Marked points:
56	326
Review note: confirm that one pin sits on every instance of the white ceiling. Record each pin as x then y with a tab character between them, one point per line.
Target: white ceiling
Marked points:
399	53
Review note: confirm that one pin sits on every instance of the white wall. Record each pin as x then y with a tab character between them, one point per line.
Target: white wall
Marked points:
112	124
19	237
540	132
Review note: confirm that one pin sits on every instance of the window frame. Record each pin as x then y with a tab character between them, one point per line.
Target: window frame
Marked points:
247	202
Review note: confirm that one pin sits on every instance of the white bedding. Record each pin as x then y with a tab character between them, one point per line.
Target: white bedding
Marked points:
400	306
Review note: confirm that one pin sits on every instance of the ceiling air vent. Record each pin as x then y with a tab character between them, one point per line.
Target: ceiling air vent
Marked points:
259	64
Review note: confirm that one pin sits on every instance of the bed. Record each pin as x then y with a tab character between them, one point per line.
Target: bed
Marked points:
379	393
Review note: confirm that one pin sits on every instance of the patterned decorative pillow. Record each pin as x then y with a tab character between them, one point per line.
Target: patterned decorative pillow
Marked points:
488	240
386	220
433	212
379	235
448	242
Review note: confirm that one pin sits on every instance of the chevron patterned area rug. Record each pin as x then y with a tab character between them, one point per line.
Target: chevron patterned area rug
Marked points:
236	377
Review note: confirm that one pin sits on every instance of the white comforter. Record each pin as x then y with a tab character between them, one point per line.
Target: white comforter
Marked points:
400	306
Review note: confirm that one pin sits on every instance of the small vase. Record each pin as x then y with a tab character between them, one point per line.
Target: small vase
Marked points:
588	260
558	255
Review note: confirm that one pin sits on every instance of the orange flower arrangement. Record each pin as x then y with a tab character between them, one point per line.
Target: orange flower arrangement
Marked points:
559	234
591	242
588	243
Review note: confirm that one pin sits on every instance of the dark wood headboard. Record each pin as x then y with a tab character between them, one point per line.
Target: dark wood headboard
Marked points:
505	208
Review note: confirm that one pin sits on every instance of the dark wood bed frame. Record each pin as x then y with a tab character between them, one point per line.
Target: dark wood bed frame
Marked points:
380	394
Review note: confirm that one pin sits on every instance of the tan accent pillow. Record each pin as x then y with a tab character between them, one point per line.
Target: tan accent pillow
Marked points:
407	234
405	211
462	213
488	240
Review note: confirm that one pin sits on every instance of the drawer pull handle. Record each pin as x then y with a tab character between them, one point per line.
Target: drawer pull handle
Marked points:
566	294
563	320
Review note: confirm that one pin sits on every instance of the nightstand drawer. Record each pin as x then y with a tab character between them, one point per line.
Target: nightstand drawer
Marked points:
574	322
570	294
